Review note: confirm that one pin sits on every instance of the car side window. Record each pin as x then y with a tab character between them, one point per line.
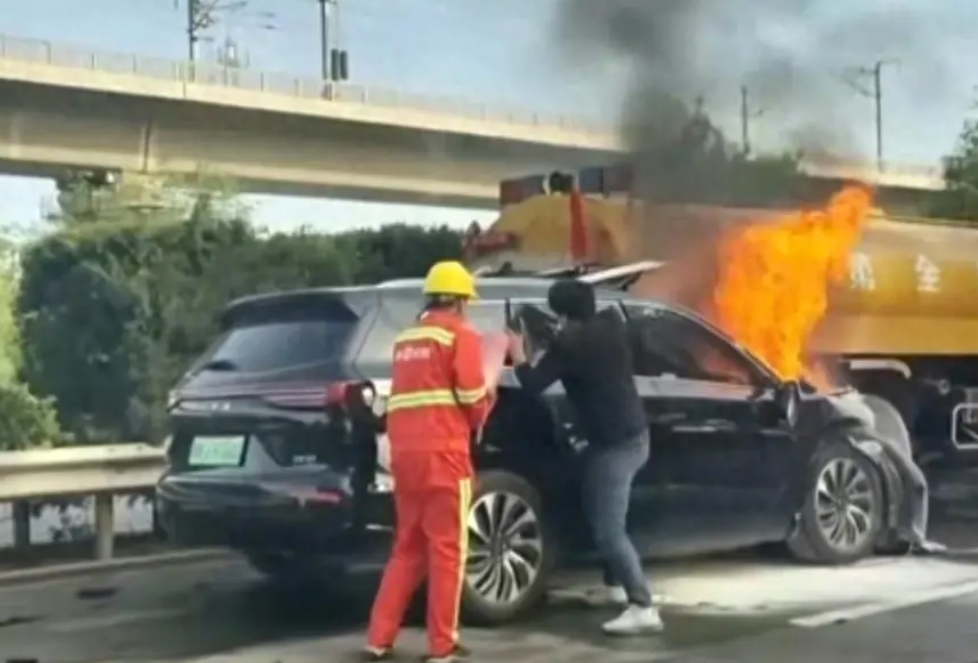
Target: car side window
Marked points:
665	343
375	356
487	316
539	322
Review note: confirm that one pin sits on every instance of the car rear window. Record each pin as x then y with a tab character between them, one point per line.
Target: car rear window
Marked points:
280	336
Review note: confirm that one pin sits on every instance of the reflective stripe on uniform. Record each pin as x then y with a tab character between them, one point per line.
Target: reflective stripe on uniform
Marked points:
416	399
427	333
470	396
464	507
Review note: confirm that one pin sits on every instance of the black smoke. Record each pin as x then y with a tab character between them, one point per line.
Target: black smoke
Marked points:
800	61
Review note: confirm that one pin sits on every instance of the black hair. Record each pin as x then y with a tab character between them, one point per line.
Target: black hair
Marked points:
572	298
442	302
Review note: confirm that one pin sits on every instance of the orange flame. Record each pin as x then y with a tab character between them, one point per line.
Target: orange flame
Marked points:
774	278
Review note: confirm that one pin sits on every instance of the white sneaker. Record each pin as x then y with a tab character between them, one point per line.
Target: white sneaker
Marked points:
604	596
635	620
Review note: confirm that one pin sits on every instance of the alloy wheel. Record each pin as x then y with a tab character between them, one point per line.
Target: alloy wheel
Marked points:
505	547
845	504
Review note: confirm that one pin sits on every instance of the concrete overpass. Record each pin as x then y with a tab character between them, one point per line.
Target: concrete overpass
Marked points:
62	106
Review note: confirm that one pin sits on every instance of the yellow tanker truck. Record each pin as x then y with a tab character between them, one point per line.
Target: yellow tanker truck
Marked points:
904	328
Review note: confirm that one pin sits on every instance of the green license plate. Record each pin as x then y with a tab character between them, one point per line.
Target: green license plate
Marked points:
217	451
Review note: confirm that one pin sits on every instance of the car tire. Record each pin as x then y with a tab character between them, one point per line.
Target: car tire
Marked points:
840	476
512	551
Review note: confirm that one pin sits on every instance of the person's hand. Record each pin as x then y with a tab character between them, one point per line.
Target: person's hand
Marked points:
516	347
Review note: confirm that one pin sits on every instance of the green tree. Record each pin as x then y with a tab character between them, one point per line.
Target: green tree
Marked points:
127	307
399	250
10	342
959	198
25	420
87	196
125	296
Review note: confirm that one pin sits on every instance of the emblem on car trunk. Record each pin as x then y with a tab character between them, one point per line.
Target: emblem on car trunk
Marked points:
208	406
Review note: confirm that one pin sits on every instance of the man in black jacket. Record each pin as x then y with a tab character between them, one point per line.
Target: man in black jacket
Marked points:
591	356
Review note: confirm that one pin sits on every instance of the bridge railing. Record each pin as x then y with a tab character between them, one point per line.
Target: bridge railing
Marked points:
215	75
202	73
101	472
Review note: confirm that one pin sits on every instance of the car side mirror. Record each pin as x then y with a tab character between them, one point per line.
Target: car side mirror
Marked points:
786	397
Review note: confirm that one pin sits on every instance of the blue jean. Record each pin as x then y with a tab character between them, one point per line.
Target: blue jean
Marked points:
608	476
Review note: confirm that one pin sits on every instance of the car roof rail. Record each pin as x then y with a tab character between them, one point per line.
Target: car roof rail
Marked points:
567	271
564	271
622	277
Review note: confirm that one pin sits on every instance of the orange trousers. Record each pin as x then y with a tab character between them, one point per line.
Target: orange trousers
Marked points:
431	542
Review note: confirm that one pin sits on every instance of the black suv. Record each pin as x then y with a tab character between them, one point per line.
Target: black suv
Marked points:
277	447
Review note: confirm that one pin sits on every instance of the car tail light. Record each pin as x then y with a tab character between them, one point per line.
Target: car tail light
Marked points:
317	496
345	394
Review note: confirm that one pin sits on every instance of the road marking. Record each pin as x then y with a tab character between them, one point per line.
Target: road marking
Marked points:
870	609
112	621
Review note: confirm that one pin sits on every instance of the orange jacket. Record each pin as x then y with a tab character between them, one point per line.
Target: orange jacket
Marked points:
438	395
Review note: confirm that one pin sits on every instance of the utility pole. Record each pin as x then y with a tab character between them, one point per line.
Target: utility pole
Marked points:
876	93
746	115
202	15
324	35
334	60
193	28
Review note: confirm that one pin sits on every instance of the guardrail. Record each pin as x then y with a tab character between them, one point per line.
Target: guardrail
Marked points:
99	471
894	174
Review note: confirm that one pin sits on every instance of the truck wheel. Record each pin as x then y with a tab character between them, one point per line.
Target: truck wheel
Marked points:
843	515
511	550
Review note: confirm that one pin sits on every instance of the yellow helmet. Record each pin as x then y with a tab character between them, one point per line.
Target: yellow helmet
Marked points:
449	277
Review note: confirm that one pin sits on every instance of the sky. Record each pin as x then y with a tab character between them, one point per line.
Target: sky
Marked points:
503	52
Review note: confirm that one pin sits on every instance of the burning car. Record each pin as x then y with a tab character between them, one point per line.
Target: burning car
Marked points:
278	451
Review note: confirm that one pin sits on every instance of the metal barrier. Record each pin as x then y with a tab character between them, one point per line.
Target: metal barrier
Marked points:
99	471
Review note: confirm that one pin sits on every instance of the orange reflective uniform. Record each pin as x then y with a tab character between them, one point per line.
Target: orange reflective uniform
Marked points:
438	399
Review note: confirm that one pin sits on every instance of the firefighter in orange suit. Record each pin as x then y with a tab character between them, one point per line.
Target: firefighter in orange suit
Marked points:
438	400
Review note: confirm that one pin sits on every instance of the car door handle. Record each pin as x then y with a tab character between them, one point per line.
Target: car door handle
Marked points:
708	426
669	418
692	428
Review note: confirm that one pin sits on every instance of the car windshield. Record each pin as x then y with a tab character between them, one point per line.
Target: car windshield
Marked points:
279	340
276	345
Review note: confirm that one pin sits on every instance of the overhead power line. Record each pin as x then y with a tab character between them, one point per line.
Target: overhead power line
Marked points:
335	61
856	80
746	115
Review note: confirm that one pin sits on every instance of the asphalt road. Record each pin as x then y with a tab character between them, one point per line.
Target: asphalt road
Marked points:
733	608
